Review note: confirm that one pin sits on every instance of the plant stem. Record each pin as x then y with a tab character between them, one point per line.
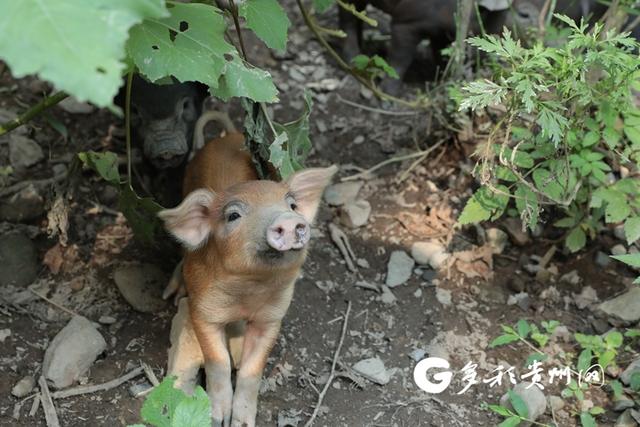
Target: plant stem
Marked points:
127	123
45	103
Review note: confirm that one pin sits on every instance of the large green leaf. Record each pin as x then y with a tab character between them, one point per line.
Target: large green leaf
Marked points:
141	213
484	204
268	20
78	45
298	143
167	406
105	164
245	81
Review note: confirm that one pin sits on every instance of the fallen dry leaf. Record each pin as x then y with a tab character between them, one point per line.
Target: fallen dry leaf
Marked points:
475	262
62	259
110	241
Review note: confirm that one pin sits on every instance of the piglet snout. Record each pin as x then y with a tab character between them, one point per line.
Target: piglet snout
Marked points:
288	231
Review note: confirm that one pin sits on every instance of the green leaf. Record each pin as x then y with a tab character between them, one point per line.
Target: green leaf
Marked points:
279	156
500	410
193	411
611	137
634	382
630	259
503	339
268	20
321	6
596	410
77	45
510	422
484	205
633	134
591	138
540	339
584	360
240	80
105	164
576	239
535	357
298	144
616	387
527	205
518	404
523	328
141	214
606	358
167	406
587	420
632	229
613	339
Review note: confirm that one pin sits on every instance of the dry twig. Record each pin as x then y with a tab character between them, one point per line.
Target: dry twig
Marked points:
86	389
50	414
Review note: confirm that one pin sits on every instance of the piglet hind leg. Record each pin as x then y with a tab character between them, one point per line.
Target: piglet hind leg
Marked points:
259	338
217	366
185	355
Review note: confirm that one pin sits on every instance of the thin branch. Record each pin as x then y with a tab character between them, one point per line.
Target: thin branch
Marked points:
86	389
377	110
46	102
50	414
332	375
55	304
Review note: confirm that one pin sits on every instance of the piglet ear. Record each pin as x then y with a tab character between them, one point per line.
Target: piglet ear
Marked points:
307	186
190	222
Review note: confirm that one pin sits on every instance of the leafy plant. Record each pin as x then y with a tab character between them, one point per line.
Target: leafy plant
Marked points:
523	331
568	122
603	348
167	406
512	418
632	260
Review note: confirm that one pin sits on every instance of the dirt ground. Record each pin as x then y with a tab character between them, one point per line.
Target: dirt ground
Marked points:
453	315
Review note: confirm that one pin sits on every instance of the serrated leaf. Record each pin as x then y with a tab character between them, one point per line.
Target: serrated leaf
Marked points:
633	134
523	328
616	387
484	205
606	358
518	404
298	144
584	360
193	411
279	156
587	420
597	410
503	339
632	229
240	80
268	20
617	210
500	410
535	357
591	138
634	382
613	339
105	164
630	259
141	214
77	45
510	422
576	239
160	405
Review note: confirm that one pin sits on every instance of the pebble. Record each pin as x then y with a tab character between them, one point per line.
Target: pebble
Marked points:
107	320
399	268
586	297
373	369
625	420
602	259
622	403
514	228
73	106
4	334
497	239
572	278
625	307
515	284
522	299
137	390
24	386
26	205
431	252
618	249
533	398
428	275
618	231
418	354
562	333
18	260
141	285
387	297
344	192
72	352
443	296
556	403
23	151
633	368
418	293
355	214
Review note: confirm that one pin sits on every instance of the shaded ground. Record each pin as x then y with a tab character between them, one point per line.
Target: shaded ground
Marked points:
422	206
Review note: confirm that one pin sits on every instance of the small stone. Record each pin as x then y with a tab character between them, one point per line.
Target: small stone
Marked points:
532	397
443	296
18	260
73	106
634	367
619	233
418	293
625	307
586	405
623	402
497	239
399	268
430	252
355	214
358	139
556	403
586	297
418	354
515	284
137	390
625	420
107	320
72	352
522	300
428	275
543	276
23	152
363	263
514	228
373	369
572	278
387	297
141	285
602	259
4	334
344	192
24	386
26	205
618	249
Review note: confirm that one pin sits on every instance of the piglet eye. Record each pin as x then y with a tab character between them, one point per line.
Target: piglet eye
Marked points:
293	206
233	216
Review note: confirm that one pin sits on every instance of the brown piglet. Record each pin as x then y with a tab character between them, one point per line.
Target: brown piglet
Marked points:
245	241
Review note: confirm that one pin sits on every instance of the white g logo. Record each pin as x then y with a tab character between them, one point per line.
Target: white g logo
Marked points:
443	378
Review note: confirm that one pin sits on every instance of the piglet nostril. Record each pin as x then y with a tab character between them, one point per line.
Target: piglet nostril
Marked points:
301	230
279	231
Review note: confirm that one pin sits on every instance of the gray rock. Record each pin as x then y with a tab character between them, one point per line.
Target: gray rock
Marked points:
141	285
23	152
514	228
344	192
562	333
399	268
602	259
107	320
622	403
18	260
418	354
618	231
625	307
428	275
443	296
431	253
618	249
373	369
516	284
522	299
625	420
586	297
138	390
634	367
72	352
73	106
24	386
497	239
556	403
572	278
533	398
387	297
355	214
25	205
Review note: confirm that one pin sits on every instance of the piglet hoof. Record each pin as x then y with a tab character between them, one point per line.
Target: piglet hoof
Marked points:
219	422
242	423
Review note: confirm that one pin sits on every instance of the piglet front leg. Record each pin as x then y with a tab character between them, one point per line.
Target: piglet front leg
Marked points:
258	340
217	366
